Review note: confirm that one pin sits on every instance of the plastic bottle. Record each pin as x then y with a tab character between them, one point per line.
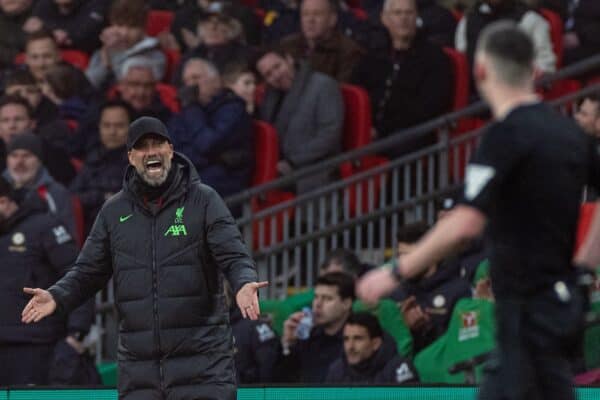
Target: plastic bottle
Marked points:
305	325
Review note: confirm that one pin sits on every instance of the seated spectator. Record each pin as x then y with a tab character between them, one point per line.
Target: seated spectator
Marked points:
15	119
239	77
184	29
123	39
426	301
102	172
409	84
61	90
42	52
582	39
218	40
366	359
74	23
435	22
136	86
256	345
310	358
283	18
588	115
485	12
29	178
45	112
306	108
214	130
13	15
325	48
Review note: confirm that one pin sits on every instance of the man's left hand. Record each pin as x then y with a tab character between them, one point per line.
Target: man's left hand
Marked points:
247	299
375	285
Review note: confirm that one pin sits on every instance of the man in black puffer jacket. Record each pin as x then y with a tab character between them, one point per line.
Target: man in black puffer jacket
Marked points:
35	249
167	240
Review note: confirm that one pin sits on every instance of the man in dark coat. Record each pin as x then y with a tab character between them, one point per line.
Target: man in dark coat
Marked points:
369	355
408	83
36	249
168	240
74	23
13	15
215	132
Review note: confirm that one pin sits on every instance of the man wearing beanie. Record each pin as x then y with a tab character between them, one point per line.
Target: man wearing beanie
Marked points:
35	248
168	240
27	174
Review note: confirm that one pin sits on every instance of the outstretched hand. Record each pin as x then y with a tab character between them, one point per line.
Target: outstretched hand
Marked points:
247	299
40	306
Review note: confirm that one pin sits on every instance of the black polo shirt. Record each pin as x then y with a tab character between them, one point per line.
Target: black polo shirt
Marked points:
527	177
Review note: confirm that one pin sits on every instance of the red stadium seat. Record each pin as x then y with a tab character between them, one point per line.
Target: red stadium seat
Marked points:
266	145
356	134
76	58
586	214
360	14
460	68
158	21
167	93
79	220
173	59
76	163
556	33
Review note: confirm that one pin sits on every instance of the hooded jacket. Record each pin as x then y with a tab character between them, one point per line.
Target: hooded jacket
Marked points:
174	336
56	196
36	250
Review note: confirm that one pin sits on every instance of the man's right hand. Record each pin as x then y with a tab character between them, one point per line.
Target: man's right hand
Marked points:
289	328
40	306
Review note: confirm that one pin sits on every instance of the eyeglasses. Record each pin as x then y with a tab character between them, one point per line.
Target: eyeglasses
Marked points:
140	85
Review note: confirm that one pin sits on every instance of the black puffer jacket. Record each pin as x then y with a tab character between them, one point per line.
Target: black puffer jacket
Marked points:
174	334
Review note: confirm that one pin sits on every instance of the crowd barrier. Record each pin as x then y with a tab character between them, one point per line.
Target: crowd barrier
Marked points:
289	393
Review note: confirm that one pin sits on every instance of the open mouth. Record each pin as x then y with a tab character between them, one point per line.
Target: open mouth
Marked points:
153	166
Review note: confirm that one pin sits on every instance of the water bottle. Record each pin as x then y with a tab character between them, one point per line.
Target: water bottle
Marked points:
305	325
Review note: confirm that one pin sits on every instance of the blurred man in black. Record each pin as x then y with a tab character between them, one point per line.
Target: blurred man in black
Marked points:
526	179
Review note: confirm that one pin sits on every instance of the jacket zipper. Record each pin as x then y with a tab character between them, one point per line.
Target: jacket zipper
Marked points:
155	305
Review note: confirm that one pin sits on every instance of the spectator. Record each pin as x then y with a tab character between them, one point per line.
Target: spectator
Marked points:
367	359
256	346
35	249
588	115
61	90
240	78
402	81
123	39
185	24
137	87
13	14
29	178
307	110
325	48
15	119
102	172
45	112
217	40
42	53
74	23
214	130
583	37
485	12
311	358
435	21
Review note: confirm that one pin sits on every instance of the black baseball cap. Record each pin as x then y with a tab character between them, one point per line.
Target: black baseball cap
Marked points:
146	126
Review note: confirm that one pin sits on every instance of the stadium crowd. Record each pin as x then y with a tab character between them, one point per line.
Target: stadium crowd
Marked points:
75	73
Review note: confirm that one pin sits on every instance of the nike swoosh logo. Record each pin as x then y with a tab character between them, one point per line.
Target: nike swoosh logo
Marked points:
125	218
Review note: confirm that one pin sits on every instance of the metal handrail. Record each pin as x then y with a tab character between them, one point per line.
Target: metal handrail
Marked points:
403	136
